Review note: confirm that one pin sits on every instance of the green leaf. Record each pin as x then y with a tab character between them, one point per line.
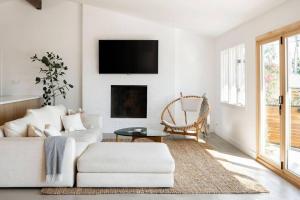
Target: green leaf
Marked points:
37	80
57	66
45	61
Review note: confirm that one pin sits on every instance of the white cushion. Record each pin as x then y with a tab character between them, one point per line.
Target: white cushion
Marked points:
18	127
50	115
112	157
34	131
190	104
72	122
51	130
89	135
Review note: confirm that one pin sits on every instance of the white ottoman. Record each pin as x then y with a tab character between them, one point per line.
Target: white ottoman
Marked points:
118	164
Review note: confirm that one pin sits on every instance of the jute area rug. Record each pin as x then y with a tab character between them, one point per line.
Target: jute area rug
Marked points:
197	172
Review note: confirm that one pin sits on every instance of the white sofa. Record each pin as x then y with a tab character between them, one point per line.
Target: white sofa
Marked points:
22	158
107	164
23	163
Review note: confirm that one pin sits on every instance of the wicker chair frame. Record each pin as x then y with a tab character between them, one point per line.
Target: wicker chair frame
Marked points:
193	129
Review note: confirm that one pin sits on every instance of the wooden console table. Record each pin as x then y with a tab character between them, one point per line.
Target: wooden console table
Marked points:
14	107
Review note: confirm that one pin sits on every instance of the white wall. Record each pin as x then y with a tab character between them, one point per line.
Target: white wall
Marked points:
25	31
192	58
238	125
185	58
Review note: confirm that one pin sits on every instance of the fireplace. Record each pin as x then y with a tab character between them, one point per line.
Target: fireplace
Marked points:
128	101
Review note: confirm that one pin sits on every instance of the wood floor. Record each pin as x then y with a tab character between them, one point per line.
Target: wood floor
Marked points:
228	155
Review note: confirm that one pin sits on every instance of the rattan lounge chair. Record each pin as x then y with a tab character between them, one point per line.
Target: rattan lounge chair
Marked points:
185	105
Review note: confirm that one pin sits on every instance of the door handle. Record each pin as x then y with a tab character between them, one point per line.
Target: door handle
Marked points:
280	101
279	109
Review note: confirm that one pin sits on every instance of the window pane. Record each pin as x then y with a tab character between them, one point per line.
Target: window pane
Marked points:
232	77
241	75
224	76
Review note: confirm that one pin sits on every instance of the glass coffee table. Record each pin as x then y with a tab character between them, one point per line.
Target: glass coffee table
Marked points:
141	132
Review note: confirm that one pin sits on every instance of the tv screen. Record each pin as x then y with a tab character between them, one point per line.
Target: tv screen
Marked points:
128	56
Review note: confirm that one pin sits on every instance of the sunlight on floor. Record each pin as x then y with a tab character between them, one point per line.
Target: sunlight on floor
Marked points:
228	161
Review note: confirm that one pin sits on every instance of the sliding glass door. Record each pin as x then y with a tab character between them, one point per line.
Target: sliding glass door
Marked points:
278	92
270	107
293	104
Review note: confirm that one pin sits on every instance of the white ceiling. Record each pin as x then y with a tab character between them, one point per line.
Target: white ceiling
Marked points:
206	17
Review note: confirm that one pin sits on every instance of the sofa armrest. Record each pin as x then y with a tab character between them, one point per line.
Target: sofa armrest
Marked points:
92	121
23	163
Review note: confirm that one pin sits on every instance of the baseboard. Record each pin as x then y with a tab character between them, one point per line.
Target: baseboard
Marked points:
238	145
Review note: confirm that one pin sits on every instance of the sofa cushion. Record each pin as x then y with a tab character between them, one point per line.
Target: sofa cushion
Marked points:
50	115
72	122
18	127
112	157
34	131
51	130
88	135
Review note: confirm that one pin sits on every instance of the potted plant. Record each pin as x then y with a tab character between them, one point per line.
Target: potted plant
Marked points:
52	73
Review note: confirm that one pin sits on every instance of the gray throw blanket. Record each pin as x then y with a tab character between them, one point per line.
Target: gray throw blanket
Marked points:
54	154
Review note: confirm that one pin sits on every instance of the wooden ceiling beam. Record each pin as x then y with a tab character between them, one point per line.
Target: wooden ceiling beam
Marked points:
36	3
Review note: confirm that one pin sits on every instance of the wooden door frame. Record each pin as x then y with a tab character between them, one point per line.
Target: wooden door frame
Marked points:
259	106
281	34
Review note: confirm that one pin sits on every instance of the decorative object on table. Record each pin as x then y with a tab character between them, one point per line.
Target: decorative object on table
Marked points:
189	104
53	71
141	132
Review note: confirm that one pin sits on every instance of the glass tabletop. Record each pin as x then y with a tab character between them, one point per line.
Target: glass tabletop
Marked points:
140	131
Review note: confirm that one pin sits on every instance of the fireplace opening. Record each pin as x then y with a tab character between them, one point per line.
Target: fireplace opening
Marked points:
128	101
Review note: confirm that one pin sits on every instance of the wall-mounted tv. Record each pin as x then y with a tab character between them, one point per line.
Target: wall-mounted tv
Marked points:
128	56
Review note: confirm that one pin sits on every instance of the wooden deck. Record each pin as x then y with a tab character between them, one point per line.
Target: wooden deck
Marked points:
273	125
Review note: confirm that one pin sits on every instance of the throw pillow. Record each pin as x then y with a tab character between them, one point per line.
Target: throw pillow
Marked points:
73	122
51	130
50	115
34	131
18	127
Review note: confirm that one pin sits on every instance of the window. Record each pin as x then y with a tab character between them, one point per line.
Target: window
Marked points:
233	75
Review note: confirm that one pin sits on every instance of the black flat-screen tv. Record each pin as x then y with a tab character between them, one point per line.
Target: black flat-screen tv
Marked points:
128	56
